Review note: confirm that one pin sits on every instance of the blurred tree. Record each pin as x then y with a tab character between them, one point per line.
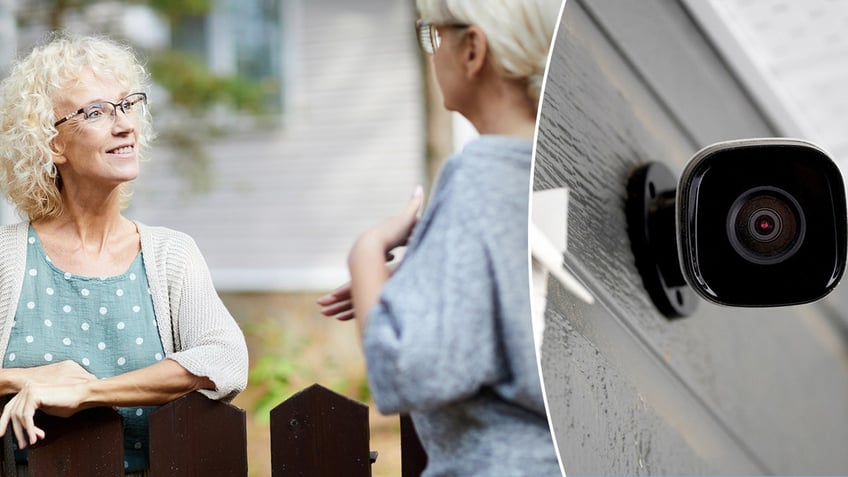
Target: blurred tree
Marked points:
196	95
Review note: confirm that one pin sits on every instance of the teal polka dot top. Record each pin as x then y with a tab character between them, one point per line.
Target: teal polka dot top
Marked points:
106	325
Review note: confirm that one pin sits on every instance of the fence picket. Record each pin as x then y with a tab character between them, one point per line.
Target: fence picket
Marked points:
315	433
319	433
413	459
90	442
194	436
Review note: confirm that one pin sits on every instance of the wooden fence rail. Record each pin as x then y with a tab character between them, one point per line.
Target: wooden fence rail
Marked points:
315	433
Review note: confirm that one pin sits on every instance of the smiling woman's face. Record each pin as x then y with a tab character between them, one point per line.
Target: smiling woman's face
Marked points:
101	156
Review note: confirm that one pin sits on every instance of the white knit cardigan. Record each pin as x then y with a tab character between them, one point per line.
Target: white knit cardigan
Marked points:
196	329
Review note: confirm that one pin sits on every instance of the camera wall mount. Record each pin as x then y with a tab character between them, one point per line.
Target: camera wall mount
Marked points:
651	211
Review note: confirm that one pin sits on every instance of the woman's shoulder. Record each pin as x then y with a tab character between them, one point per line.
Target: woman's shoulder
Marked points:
491	162
160	234
13	232
156	239
14	229
488	169
502	151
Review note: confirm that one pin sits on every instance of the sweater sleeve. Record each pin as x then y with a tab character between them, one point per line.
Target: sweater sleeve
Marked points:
208	341
432	338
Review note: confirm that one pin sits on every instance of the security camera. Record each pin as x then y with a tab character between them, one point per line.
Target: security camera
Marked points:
754	223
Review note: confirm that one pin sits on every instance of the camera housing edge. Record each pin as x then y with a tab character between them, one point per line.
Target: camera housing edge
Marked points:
755	223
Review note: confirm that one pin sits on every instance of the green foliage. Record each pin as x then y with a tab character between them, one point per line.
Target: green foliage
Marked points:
275	370
194	89
363	392
285	367
273	373
174	9
193	86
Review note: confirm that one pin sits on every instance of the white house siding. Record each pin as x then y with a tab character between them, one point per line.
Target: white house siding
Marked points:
286	204
791	56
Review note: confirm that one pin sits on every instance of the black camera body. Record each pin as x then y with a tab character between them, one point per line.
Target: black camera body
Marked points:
762	222
757	222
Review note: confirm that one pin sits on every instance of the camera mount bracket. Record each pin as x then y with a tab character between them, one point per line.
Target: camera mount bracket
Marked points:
650	209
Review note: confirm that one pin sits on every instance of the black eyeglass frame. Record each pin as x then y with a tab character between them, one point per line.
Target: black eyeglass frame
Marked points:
122	104
429	38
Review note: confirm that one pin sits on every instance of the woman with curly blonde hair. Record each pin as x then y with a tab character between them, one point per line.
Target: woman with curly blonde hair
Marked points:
96	309
447	336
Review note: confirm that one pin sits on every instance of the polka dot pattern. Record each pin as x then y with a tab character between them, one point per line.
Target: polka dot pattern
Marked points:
106	324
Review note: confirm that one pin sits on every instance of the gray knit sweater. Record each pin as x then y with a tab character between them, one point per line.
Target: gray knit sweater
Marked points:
196	329
450	340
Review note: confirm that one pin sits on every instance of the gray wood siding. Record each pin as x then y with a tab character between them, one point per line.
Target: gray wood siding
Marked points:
287	204
738	391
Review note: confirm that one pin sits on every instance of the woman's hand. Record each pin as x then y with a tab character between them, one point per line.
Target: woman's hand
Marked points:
63	372
149	386
366	261
13	380
338	304
61	397
394	231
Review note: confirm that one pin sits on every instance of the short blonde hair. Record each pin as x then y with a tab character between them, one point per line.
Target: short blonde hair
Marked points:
519	32
28	176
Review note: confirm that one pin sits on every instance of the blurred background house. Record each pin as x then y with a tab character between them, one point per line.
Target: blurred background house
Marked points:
304	123
286	128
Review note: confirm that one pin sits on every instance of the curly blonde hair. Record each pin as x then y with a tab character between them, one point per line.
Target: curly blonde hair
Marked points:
28	176
519	32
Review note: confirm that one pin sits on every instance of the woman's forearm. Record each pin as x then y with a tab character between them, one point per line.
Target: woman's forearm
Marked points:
156	384
62	372
368	275
10	381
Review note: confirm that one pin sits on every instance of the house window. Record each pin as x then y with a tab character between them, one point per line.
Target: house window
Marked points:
239	37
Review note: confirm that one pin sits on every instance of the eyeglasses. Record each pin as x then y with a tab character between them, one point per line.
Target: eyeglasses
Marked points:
102	113
428	34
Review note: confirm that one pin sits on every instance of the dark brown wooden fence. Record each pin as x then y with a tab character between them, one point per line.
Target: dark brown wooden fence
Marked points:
316	433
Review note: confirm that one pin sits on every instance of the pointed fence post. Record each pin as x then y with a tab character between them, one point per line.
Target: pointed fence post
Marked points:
195	436
319	433
90	442
413	459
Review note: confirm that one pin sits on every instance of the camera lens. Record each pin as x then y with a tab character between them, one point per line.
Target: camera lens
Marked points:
766	225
